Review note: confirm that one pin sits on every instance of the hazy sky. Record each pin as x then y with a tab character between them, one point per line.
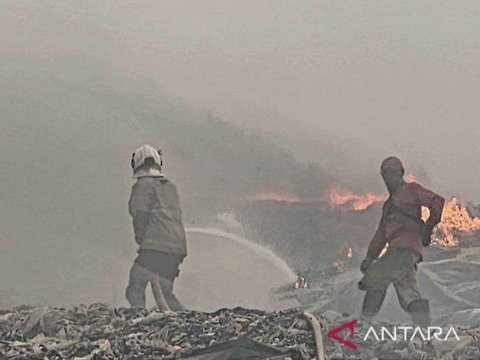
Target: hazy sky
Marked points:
369	78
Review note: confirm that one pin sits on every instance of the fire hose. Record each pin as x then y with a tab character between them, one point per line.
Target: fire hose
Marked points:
158	294
317	334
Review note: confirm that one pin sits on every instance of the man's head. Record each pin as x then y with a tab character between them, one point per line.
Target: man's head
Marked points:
392	173
146	161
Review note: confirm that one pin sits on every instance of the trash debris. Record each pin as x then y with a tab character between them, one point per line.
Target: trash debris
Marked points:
242	348
103	332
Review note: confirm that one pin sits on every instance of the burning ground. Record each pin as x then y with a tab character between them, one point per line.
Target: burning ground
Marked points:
325	242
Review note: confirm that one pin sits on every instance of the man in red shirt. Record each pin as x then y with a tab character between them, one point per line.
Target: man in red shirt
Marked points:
402	228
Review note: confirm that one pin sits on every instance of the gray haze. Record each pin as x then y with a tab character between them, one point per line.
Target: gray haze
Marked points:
365	77
333	88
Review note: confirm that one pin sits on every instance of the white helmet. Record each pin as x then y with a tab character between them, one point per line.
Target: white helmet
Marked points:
139	158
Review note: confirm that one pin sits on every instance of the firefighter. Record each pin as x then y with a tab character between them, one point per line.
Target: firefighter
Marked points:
159	232
402	228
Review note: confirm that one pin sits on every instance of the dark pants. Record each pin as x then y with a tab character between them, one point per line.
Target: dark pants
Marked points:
397	266
150	264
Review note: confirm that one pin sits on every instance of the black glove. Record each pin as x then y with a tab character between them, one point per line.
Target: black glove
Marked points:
426	231
366	264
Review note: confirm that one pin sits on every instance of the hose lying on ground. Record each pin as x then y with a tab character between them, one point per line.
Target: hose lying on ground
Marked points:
317	333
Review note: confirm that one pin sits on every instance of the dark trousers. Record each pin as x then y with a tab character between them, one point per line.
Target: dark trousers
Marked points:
397	266
150	264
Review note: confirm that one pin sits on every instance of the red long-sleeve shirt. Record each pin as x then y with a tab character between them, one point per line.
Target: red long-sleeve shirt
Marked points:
399	230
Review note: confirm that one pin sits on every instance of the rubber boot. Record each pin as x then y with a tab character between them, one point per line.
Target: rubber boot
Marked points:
420	312
372	302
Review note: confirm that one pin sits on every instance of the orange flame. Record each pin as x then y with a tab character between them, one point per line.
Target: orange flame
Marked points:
358	202
456	221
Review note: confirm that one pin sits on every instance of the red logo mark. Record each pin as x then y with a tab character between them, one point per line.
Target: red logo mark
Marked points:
350	325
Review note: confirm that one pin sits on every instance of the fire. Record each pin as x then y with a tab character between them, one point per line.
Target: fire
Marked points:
358	202
277	196
456	221
339	197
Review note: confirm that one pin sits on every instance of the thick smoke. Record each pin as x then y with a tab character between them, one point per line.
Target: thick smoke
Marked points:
328	89
67	137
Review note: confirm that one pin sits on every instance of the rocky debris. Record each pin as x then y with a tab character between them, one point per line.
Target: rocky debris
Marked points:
102	332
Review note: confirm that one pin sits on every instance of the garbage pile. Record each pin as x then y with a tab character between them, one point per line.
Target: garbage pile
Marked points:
102	332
